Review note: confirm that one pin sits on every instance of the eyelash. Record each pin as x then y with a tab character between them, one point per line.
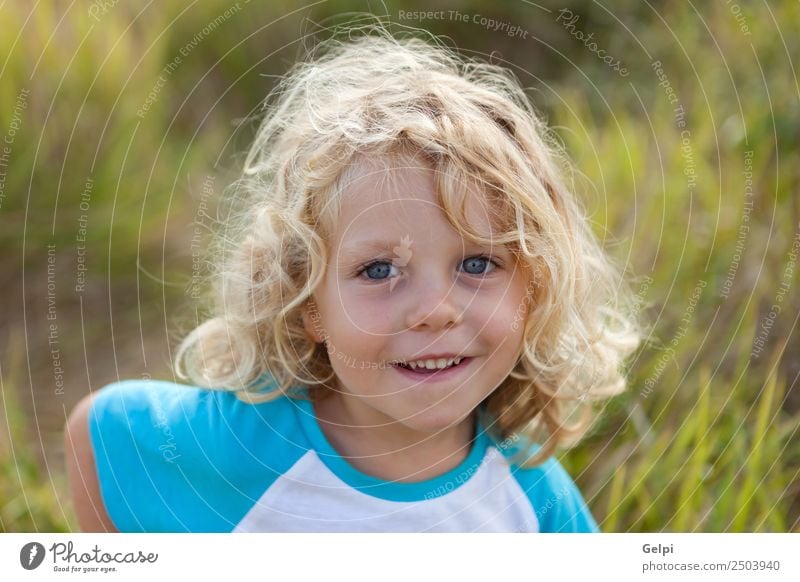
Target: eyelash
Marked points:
361	270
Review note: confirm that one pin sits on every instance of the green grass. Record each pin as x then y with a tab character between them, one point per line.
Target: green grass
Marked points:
29	498
713	444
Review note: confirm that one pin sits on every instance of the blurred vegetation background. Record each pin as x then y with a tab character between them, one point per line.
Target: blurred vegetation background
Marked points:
123	123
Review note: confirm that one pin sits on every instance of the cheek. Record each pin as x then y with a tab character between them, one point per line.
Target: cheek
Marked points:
501	326
357	325
368	310
502	311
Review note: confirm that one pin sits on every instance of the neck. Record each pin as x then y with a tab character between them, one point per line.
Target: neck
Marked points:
387	449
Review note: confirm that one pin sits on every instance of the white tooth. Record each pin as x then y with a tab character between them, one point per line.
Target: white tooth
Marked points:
441	363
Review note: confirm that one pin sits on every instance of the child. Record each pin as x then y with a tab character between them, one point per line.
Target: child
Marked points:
414	316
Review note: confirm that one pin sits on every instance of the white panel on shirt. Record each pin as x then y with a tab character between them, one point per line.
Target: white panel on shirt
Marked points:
309	497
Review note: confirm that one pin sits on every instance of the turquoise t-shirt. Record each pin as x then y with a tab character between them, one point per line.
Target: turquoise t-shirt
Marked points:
176	458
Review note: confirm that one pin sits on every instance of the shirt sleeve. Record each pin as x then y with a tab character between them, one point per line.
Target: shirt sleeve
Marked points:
176	458
557	503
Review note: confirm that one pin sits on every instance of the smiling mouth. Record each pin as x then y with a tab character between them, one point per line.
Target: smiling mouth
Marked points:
428	371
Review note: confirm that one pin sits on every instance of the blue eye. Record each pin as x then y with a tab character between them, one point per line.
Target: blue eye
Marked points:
381	270
478	264
377	271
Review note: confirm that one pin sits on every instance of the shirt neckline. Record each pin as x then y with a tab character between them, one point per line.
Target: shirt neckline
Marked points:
391	490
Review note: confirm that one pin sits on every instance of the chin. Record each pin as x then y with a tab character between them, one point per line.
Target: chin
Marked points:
434	419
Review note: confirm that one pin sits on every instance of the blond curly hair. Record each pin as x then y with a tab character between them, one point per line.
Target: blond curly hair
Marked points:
385	96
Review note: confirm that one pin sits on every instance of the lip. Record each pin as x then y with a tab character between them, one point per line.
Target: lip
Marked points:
446	356
438	375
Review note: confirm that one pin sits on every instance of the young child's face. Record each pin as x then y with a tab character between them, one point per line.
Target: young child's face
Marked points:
427	291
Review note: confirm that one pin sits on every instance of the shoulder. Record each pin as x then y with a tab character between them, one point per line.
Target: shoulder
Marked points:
171	457
151	409
556	501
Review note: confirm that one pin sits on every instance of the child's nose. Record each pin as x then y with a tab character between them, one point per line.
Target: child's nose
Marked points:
434	305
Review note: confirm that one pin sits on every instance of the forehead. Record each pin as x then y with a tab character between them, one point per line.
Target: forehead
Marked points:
380	198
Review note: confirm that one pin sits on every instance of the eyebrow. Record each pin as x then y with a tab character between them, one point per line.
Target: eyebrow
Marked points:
373	245
360	248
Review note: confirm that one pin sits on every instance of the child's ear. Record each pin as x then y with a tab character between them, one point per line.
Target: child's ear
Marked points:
312	321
